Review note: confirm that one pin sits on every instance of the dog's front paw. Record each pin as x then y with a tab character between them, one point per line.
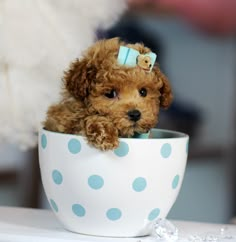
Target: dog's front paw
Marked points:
102	135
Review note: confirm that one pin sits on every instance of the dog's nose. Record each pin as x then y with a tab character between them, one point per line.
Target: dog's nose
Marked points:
134	115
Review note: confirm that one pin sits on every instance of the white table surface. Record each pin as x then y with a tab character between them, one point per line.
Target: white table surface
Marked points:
35	225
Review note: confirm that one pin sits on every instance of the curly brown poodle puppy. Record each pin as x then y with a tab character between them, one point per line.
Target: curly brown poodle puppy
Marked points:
103	100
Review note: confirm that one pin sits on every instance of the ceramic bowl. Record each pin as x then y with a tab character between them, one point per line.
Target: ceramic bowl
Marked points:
117	193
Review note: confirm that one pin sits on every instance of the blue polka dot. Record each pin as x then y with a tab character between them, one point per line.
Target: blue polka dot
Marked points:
95	182
154	214
139	184
78	210
74	146
166	150
122	150
53	205
114	214
43	141
175	182
57	177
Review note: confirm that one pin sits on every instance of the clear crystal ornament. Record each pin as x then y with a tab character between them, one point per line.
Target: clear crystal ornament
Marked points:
164	229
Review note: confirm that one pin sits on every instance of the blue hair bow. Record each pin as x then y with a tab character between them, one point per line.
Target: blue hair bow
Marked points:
132	58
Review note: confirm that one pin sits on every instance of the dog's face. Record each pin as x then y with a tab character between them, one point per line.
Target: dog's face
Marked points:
130	97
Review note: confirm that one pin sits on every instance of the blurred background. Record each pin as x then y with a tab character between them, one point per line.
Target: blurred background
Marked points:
198	54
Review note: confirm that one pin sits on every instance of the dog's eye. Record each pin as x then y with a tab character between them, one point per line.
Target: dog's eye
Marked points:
143	92
111	94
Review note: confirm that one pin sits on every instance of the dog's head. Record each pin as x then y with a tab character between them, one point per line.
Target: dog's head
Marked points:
130	97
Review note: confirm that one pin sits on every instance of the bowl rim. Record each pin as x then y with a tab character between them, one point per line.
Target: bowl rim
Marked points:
158	134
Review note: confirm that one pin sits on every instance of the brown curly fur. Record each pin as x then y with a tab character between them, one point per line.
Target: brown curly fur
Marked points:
85	108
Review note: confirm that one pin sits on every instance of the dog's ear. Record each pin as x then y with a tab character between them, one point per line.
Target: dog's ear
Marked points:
165	88
78	78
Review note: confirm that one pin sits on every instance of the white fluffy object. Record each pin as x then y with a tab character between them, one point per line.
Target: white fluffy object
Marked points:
38	40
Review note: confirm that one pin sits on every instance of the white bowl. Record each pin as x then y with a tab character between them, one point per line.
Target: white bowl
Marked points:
116	193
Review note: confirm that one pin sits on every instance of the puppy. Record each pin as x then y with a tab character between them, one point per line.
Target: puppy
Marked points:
104	100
